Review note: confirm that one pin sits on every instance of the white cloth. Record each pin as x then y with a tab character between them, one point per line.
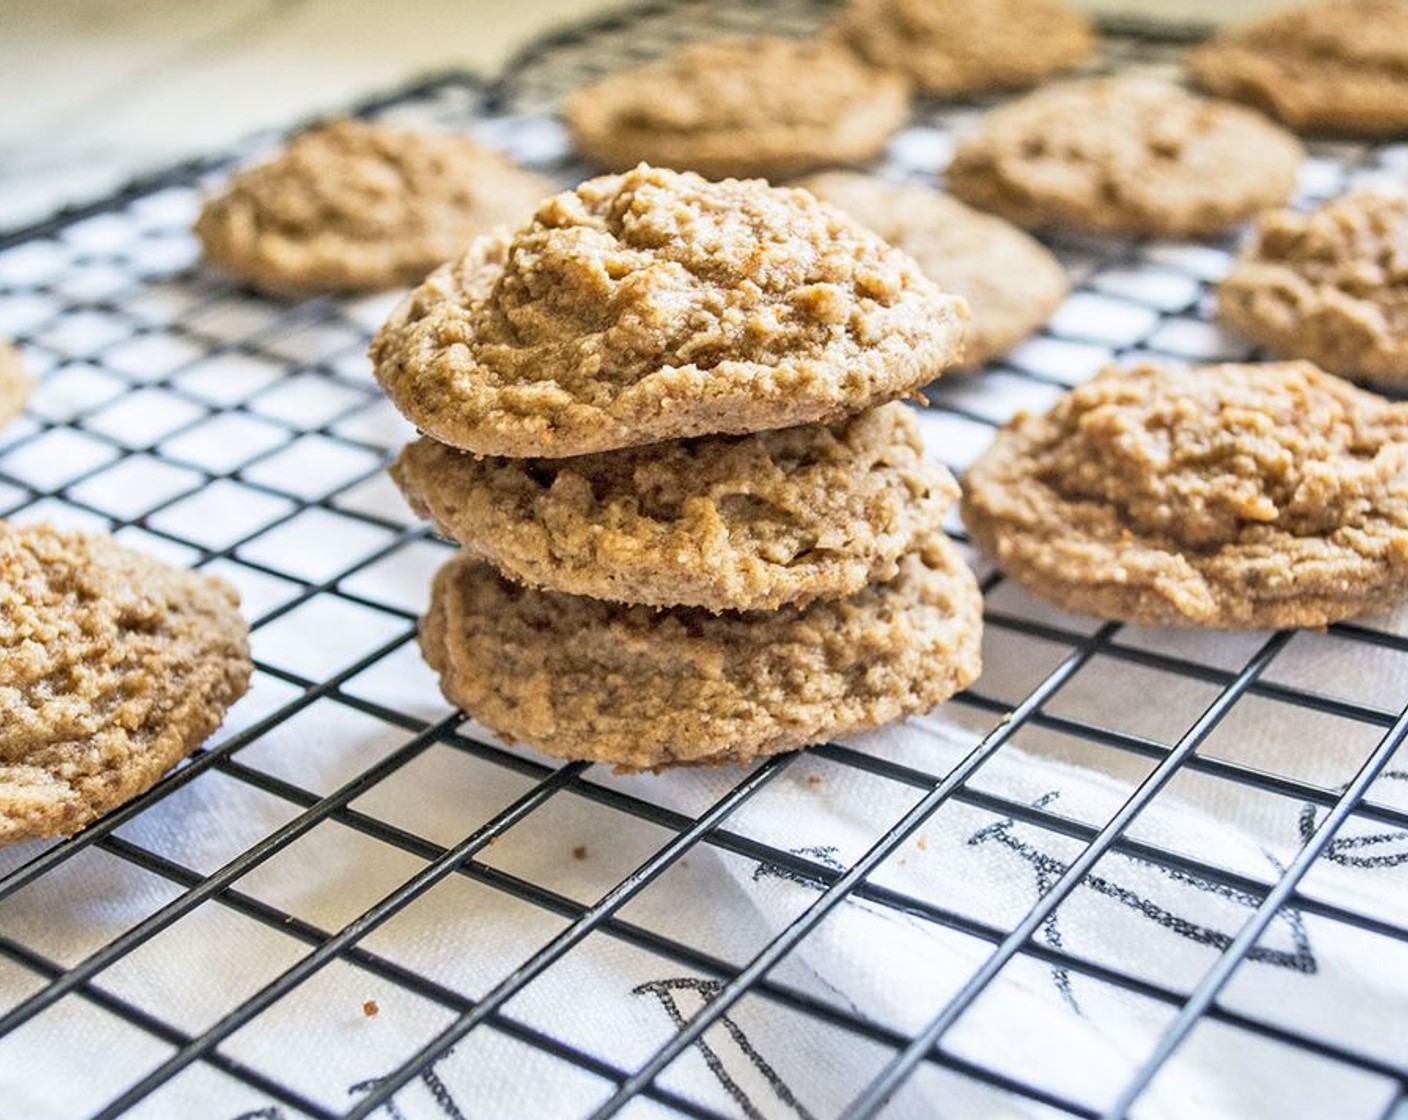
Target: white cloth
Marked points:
1068	1033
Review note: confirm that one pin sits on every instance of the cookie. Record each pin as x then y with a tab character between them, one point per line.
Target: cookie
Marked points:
1125	155
1330	286
1011	281
721	522
949	47
15	384
761	107
655	305
357	205
1340	66
113	668
581	678
1228	497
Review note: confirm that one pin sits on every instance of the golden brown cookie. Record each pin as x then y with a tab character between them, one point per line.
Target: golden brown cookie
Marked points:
1340	66
1229	497
1125	155
1011	281
15	384
762	107
355	205
1330	286
967	46
720	522
113	668
581	678
656	305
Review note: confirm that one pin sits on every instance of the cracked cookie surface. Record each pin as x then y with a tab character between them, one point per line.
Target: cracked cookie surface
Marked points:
656	305
765	107
15	384
1011	281
1340	66
1230	496
1330	286
357	205
721	522
967	46
582	678
1125	155
113	668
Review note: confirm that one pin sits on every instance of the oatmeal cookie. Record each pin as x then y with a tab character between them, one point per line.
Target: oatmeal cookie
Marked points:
1337	66
721	522
1125	155
950	47
1228	497
113	668
656	305
762	107
1330	286
15	384
356	205
581	678
1011	281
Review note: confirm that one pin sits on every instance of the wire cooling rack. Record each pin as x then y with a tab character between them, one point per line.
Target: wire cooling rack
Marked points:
222	946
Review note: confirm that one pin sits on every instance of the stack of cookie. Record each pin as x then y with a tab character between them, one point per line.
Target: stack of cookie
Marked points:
695	527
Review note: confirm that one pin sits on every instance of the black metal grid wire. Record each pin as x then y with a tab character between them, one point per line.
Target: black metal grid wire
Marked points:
523	95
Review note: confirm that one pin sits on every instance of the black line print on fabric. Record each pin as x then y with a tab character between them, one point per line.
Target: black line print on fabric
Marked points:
1047	868
665	992
1340	848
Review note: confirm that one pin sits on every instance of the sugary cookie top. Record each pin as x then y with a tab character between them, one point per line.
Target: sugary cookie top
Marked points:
1231	495
359	204
1330	285
656	305
1133	155
113	666
955	46
1202	459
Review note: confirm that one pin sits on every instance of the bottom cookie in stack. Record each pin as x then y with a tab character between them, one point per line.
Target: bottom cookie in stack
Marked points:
641	688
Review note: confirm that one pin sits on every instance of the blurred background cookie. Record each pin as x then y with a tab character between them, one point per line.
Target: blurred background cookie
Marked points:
766	107
1011	281
1336	65
355	205
967	46
1330	286
1125	155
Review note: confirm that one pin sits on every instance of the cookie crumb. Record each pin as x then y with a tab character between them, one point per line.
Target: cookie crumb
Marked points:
371	1009
813	779
922	844
579	852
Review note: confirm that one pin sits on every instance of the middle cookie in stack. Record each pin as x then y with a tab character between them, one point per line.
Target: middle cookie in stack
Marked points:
693	530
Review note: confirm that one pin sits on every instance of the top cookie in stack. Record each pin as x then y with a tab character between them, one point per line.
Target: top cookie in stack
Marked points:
681	387
657	305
